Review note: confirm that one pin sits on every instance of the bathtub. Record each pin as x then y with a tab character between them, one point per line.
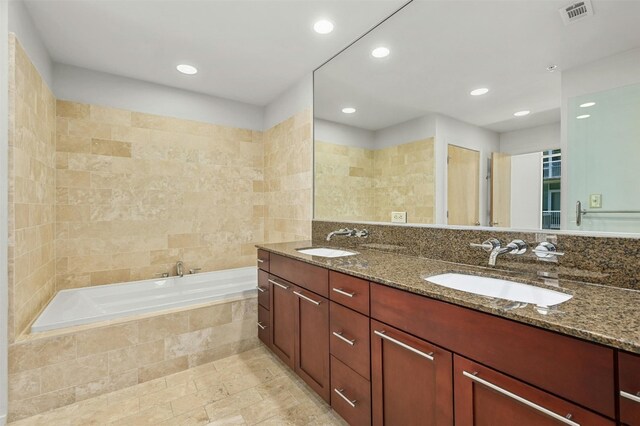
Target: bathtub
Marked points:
106	302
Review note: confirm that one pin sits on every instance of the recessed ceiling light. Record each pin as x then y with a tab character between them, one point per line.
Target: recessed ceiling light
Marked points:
187	69
521	113
380	52
323	26
552	68
587	104
480	91
581	117
348	110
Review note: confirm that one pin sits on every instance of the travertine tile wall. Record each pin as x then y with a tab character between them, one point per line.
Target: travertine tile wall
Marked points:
361	184
60	369
136	192
288	180
404	180
343	182
32	110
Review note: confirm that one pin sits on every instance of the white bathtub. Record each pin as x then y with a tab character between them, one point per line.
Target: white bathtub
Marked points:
93	304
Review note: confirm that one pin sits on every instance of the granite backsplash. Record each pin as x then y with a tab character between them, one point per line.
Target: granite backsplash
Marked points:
609	261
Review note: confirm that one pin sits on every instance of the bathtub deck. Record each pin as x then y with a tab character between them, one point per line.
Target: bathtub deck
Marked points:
253	387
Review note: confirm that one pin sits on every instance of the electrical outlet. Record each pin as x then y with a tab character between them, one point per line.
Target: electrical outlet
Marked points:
595	201
399	217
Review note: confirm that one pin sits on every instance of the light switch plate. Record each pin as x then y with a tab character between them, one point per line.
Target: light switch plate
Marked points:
595	201
399	217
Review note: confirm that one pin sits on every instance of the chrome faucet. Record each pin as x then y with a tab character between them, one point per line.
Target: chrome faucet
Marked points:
493	246
180	268
344	231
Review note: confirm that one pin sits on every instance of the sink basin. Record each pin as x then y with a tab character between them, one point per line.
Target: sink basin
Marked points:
501	289
326	252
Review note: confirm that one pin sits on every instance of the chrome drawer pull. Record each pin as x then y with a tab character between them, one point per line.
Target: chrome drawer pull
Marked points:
632	397
382	334
260	289
344	339
342	292
563	419
262	327
308	299
286	287
351	402
260	261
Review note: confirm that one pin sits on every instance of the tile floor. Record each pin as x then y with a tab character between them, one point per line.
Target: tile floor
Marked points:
250	388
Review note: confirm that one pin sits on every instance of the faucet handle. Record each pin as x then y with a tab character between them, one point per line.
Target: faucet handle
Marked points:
194	270
162	274
487	245
518	247
363	233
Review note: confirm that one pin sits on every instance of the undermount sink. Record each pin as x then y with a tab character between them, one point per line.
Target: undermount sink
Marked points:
325	252
501	289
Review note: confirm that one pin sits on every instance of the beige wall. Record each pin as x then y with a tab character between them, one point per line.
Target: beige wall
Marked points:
404	180
32	110
288	180
343	182
361	184
135	193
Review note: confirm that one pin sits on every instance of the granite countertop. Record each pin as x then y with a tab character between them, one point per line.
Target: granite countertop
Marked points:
598	313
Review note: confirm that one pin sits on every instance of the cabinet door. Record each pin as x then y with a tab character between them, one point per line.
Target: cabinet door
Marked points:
411	379
629	372
484	397
264	329
312	341
282	315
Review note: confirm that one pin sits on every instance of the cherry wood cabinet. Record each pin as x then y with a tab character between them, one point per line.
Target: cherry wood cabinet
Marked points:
312	340
264	299
411	379
349	291
264	328
629	378
351	394
484	397
282	315
263	260
350	339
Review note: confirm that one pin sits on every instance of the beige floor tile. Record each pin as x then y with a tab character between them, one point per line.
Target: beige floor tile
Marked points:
231	420
167	395
195	417
232	405
268	407
150	416
190	402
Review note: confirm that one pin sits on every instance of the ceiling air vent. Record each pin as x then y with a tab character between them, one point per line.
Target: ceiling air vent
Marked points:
576	11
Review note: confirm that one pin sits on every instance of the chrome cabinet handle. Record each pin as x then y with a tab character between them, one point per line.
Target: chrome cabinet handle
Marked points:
351	402
260	289
339	335
260	261
632	397
262	327
563	419
382	334
285	287
308	299
342	292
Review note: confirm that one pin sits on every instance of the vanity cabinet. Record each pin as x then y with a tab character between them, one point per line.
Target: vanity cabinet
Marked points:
486	397
411	379
629	378
282	316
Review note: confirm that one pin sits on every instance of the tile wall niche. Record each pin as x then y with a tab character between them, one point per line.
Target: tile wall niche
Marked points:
360	184
601	260
32	110
60	368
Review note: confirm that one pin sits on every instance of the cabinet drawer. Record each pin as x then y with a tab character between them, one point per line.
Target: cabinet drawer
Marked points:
571	368
349	291
487	397
350	394
264	329
310	277
263	289
350	338
629	371
263	260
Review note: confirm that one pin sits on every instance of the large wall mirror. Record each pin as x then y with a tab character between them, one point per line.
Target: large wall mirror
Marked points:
513	114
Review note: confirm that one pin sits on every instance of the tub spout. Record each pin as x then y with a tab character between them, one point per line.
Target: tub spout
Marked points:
180	268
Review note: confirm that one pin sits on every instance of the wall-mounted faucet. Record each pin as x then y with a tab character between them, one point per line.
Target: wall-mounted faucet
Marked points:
495	249
180	268
362	233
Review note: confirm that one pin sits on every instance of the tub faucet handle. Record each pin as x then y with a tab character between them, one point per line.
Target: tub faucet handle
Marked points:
194	270
162	274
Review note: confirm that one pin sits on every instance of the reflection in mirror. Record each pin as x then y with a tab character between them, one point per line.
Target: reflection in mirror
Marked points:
472	118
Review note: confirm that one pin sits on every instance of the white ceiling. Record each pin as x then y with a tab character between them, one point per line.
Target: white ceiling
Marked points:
442	49
249	51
